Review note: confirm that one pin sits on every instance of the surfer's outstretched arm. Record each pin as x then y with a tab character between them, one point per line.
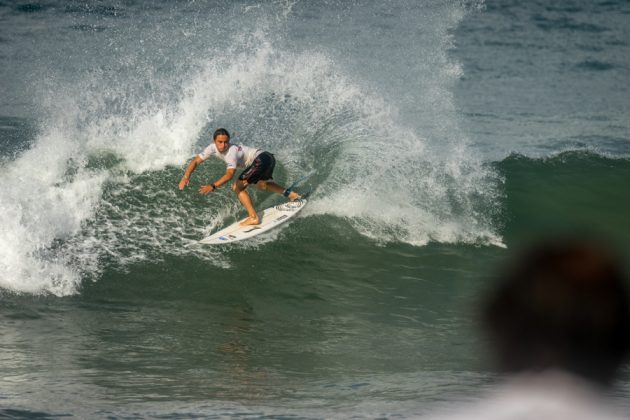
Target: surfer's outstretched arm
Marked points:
189	170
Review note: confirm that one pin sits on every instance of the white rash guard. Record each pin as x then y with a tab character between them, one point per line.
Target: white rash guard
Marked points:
237	156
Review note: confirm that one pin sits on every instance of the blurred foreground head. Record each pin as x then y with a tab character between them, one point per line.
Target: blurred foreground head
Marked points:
561	304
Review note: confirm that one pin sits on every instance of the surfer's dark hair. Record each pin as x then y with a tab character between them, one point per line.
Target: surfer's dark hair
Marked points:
220	132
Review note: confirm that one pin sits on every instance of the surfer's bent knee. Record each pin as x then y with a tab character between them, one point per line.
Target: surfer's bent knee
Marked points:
238	186
262	185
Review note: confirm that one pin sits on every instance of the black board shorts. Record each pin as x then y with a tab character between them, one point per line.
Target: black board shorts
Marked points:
260	169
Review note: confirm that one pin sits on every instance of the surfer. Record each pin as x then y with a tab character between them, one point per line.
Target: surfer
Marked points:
258	170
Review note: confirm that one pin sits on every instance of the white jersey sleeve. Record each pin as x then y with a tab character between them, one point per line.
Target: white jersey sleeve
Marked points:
231	158
237	156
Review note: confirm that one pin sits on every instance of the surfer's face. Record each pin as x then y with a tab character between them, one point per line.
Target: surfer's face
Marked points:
222	142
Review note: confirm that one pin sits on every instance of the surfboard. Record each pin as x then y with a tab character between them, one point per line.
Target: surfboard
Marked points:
269	219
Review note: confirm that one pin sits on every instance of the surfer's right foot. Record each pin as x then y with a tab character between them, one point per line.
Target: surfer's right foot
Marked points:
251	221
291	195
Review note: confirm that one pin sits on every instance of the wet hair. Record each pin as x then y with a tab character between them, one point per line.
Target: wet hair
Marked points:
220	132
561	305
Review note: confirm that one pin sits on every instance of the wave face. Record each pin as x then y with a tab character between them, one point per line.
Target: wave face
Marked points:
577	192
125	96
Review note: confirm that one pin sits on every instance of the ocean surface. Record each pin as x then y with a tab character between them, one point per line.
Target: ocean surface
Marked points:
440	136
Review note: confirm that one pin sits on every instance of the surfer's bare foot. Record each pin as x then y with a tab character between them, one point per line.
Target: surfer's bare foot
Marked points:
251	221
293	196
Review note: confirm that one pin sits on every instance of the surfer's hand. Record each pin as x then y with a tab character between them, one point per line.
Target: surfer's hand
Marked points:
205	189
183	183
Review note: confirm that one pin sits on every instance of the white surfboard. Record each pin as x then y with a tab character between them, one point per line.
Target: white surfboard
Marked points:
269	219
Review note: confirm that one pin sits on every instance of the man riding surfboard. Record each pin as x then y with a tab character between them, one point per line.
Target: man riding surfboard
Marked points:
258	168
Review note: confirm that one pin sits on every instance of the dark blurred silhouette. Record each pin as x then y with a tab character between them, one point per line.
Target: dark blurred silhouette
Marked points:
561	304
559	324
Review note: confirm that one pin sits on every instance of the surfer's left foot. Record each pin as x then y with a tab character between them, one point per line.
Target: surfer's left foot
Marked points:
251	221
293	196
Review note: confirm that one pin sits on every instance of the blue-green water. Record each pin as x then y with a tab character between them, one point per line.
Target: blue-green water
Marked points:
441	136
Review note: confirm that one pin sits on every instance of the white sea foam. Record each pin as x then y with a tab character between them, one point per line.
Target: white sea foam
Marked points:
42	203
